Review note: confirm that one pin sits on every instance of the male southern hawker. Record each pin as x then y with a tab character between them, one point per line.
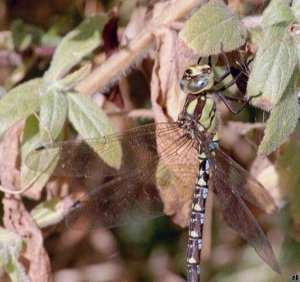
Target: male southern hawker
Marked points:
162	168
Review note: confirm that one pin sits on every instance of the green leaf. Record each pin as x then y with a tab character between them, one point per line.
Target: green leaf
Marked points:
214	24
76	76
296	9
53	114
75	45
282	121
272	68
277	12
48	213
52	37
256	36
91	122
24	34
297	43
19	103
10	249
31	140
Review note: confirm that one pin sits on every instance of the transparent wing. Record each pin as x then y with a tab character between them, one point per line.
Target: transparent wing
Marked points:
162	167
127	198
230	189
150	191
108	155
229	171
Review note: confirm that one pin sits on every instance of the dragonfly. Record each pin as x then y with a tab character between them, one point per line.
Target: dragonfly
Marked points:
165	168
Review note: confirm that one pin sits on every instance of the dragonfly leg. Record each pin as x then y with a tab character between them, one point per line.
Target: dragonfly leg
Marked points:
244	102
230	83
209	61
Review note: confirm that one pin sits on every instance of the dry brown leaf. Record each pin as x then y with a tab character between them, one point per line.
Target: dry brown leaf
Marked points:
264	171
172	59
16	217
9	163
165	84
135	26
167	99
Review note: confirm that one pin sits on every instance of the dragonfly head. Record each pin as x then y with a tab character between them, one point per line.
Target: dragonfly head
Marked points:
197	79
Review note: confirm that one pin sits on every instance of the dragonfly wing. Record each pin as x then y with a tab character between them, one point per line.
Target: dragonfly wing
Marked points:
176	174
176	186
109	155
229	171
242	220
134	197
115	203
163	184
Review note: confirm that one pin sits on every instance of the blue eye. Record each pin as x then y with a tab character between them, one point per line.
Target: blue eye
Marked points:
197	85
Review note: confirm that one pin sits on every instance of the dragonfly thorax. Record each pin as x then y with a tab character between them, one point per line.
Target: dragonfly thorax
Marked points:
199	114
197	79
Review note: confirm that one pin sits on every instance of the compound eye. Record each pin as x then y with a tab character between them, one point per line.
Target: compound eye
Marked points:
183	84
197	85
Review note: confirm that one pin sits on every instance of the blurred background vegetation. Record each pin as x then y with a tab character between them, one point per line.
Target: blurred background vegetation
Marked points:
143	89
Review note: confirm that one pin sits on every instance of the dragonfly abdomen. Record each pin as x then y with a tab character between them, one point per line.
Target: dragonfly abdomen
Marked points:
197	219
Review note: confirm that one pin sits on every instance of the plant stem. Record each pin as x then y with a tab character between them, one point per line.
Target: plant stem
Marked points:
114	67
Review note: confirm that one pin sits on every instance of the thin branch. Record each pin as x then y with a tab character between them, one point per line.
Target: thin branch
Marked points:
18	192
137	113
115	66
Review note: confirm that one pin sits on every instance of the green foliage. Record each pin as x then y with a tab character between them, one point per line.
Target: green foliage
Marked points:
212	26
48	213
91	123
296	8
273	66
76	45
31	140
11	245
24	35
53	113
278	52
85	117
50	105
19	103
277	12
52	98
76	76
281	118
